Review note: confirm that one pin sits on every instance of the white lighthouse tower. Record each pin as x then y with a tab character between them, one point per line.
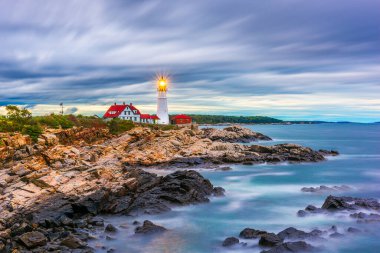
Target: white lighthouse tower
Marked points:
162	101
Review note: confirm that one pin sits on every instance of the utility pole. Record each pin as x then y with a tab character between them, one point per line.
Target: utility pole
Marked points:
61	104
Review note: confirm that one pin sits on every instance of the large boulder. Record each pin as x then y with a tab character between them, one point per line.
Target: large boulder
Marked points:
50	139
149	227
72	242
178	188
334	203
33	239
250	233
293	233
291	247
270	240
230	241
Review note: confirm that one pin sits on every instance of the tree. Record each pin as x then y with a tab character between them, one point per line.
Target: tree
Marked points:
19	116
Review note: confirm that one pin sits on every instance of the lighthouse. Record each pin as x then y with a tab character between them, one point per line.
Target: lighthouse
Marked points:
162	101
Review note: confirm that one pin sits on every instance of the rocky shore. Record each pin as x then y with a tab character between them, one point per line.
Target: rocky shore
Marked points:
52	190
361	210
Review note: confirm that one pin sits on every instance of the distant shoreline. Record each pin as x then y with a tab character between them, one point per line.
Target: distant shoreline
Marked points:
285	123
202	119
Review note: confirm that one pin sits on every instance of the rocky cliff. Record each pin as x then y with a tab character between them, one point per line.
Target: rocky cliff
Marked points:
51	188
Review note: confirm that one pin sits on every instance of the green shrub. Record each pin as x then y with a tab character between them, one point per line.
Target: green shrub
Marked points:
88	121
33	131
117	126
55	121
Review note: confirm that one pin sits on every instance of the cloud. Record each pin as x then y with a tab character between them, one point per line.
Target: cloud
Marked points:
223	56
71	110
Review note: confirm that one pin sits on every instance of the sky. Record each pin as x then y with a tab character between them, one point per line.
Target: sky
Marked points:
289	59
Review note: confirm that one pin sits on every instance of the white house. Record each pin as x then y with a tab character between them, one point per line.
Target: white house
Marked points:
129	112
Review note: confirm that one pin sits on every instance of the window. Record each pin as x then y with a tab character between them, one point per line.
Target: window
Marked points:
135	118
125	113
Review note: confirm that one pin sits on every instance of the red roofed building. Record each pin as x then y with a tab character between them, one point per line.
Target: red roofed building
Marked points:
181	119
129	112
149	119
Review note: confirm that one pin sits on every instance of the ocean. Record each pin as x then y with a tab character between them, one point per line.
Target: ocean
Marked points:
268	196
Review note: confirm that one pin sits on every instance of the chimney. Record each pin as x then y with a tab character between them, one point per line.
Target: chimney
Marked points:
115	103
130	104
123	103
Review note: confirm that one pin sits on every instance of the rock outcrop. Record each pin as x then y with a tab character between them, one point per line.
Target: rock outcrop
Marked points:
149	227
59	184
64	207
230	241
292	247
324	189
351	206
234	133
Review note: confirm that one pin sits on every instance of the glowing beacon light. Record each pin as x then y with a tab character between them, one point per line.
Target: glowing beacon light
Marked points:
162	101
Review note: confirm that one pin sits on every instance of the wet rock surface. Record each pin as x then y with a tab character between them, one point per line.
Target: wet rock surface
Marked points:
149	227
230	241
58	185
299	246
33	239
292	239
250	233
134	192
270	240
324	189
351	206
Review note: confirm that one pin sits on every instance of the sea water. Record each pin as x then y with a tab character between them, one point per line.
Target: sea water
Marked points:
268	196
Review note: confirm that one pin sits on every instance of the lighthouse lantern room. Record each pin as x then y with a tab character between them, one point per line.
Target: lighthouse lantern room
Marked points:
162	102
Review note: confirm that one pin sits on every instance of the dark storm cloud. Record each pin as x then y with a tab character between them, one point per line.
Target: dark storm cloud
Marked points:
260	57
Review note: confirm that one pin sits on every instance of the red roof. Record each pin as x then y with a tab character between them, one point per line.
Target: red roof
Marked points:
148	116
134	108
114	111
181	116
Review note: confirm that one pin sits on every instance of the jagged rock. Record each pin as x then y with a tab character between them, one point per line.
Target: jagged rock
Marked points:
218	191
334	204
50	139
180	188
249	233
293	233
73	174
230	241
349	203
329	152
234	133
324	188
110	228
270	240
366	218
149	227
33	239
96	221
72	242
65	221
291	247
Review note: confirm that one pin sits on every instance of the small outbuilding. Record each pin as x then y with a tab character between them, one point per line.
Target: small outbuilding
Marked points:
181	119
